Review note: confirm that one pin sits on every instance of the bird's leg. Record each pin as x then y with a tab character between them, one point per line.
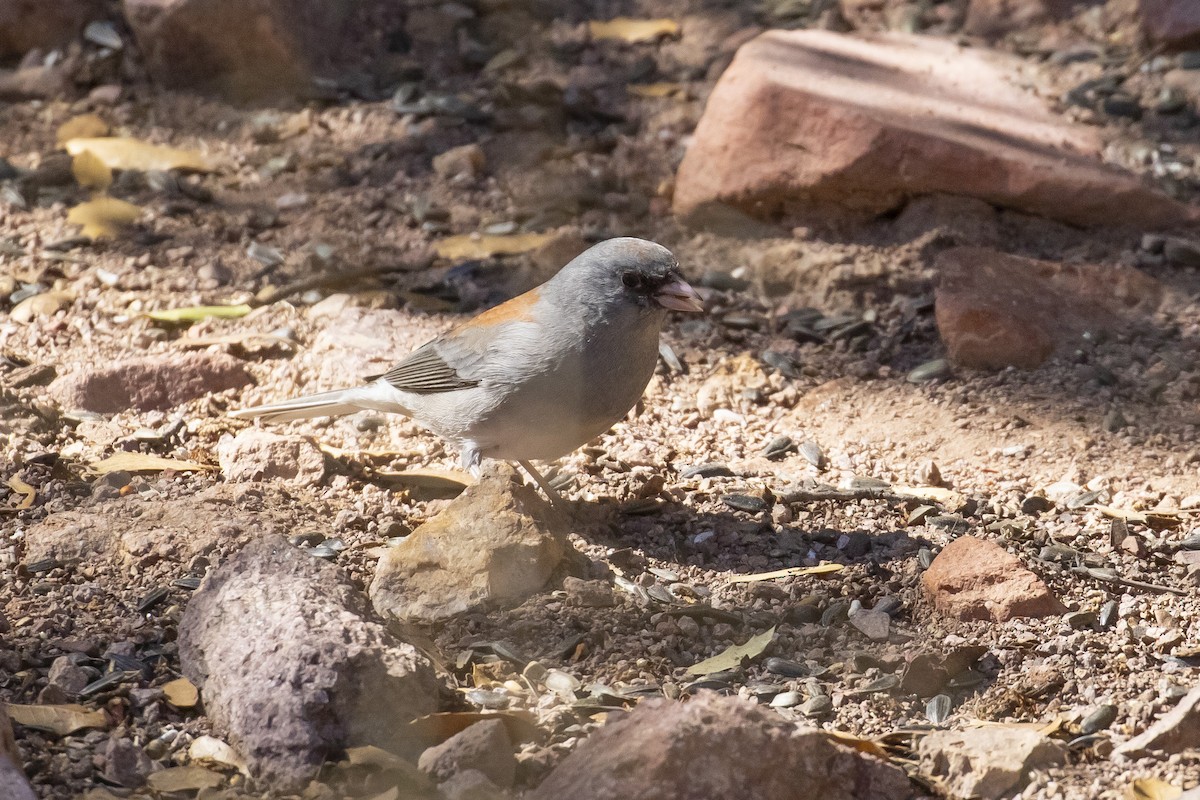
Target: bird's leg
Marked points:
470	458
556	499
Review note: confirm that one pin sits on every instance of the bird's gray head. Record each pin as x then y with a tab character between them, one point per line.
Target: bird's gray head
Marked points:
629	270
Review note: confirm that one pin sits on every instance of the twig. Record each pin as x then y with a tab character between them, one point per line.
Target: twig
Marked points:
337	278
1109	577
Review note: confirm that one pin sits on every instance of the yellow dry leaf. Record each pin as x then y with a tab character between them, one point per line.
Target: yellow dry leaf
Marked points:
84	126
820	569
734	656
181	693
858	743
474	246
143	462
121	152
633	30
1152	789
655	89
198	313
90	172
103	217
448	480
58	719
24	490
190	778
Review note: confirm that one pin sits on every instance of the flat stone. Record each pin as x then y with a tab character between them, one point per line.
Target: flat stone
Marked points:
872	624
125	764
291	668
989	762
717	748
996	310
496	544
13	784
589	594
156	383
974	578
257	455
1175	731
814	125
484	746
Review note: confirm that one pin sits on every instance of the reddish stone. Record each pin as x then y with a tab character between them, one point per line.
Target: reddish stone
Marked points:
976	579
996	310
29	24
1173	22
156	383
813	125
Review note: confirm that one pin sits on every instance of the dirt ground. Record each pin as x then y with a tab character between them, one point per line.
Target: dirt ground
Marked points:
1117	415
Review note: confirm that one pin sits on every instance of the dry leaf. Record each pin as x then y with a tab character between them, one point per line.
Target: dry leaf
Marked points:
210	748
84	126
1152	789
198	313
443	480
191	778
26	492
820	569
58	719
103	216
90	172
633	30
733	656
143	462
1155	520
480	246
655	89
181	693
858	743
120	152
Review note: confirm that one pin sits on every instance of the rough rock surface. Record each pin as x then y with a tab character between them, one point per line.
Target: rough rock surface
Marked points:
988	762
717	748
255	455
994	18
976	579
291	669
155	383
29	24
13	784
813	124
1173	22
996	310
1177	730
497	543
484	746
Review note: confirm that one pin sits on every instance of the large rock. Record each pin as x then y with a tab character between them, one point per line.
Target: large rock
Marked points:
290	667
995	310
497	543
976	579
1173	22
13	785
29	24
1176	731
155	383
255	455
818	125
247	50
990	762
716	748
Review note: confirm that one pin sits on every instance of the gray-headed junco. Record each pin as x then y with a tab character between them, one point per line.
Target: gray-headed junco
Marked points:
539	375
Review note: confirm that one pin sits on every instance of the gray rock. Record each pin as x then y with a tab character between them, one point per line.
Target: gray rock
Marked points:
471	784
125	764
588	594
717	748
291	669
484	746
991	762
497	543
1177	730
255	455
65	674
13	784
875	625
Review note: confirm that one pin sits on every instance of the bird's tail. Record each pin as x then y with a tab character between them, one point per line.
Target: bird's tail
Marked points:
324	404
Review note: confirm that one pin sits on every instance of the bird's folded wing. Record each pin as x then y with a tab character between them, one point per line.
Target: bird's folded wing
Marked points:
426	371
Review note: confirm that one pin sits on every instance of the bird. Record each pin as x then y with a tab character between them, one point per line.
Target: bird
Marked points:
534	377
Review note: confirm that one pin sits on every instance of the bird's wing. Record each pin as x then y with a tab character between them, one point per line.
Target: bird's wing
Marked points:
428	371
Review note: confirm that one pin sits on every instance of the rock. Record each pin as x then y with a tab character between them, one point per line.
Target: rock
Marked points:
872	624
994	18
996	310
471	784
125	764
33	83
1174	732
973	578
484	746
157	383
1173	22
256	50
43	24
467	160
588	594
495	544
291	668
990	762
255	455
13	784
68	676
717	748
816	125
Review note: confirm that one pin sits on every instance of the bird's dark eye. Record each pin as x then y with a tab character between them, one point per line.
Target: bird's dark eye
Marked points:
632	280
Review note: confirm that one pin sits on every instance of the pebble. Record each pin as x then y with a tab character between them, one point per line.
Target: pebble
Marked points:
816	706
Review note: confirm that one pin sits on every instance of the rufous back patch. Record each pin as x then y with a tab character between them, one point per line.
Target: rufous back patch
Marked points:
519	309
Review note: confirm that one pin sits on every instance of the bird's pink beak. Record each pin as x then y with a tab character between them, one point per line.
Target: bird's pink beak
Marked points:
678	296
